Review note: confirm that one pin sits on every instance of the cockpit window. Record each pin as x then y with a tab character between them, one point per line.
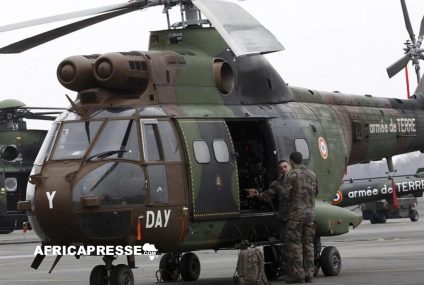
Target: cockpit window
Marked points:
46	148
151	143
74	139
117	183
117	140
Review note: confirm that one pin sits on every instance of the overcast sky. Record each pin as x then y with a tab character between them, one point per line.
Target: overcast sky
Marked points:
330	44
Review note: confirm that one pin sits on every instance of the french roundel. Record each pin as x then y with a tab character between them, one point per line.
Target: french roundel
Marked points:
338	198
323	149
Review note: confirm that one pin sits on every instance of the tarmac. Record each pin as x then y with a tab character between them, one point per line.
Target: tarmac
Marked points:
391	253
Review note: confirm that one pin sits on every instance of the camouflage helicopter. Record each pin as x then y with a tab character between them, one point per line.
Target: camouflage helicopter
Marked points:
159	145
18	149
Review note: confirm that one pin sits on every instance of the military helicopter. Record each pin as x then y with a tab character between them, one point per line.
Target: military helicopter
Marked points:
159	145
18	149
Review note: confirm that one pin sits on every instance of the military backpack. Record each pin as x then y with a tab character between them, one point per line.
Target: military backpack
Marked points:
250	267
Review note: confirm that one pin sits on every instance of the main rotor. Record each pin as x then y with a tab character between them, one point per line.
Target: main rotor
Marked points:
243	34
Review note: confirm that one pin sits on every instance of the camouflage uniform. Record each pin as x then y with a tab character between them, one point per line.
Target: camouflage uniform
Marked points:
276	188
299	191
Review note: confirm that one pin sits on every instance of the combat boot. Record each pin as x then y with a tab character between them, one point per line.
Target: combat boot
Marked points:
290	279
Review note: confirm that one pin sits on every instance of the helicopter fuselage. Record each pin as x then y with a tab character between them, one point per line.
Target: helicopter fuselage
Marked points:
161	145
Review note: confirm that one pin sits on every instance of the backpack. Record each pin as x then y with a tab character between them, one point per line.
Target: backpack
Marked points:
250	267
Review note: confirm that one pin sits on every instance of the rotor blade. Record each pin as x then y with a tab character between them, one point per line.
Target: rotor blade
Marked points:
38	117
407	21
420	87
45	37
422	28
44	108
243	33
65	16
393	69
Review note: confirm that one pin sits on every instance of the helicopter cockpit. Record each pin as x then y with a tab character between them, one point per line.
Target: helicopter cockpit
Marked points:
120	157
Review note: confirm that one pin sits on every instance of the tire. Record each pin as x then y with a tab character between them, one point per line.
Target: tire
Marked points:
381	217
373	218
168	268
330	261
121	275
190	267
414	215
98	275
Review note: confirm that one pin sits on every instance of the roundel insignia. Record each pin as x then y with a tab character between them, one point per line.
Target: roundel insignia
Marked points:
323	149
338	198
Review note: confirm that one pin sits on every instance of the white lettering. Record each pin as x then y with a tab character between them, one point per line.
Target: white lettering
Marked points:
150	219
167	215
38	250
158	220
50	197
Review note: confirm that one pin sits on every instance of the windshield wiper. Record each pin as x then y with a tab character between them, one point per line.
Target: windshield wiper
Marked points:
105	154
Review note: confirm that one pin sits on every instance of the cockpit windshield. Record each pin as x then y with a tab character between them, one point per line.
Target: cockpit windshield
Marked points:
74	139
117	140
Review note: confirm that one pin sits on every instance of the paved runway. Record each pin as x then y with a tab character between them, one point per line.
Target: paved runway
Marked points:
391	253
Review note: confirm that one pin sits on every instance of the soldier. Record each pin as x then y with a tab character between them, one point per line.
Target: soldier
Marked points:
267	196
299	191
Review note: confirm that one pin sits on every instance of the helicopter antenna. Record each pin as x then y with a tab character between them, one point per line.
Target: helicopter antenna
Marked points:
413	50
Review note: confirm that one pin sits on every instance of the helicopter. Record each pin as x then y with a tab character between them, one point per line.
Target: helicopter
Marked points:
162	143
18	149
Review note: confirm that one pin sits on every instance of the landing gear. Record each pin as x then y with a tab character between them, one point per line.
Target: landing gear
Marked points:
171	266
190	267
328	259
120	274
168	267
273	260
99	276
414	216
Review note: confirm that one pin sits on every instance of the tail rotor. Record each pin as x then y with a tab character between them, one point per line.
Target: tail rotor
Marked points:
413	50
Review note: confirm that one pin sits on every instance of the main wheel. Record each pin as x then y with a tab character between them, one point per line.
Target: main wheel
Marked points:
330	261
168	268
98	275
414	216
190	267
121	275
381	217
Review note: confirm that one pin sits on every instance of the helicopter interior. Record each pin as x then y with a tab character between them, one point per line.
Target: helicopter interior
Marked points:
256	161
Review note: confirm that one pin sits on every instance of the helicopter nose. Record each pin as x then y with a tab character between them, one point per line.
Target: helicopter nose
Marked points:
52	204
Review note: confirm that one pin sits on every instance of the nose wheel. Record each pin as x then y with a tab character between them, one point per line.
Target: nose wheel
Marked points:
109	274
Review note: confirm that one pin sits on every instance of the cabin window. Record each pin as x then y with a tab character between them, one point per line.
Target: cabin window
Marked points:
170	145
302	147
220	149
74	139
117	140
201	152
151	143
158	184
